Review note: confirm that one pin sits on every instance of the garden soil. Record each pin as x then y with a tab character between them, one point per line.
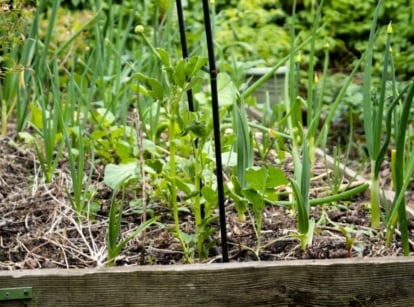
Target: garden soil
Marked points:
39	229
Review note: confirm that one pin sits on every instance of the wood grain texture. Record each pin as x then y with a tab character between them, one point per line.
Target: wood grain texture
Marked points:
343	282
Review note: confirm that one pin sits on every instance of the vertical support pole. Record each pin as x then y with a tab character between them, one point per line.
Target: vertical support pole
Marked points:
184	49
216	126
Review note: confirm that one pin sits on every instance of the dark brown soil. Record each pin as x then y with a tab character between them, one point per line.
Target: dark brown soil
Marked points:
39	228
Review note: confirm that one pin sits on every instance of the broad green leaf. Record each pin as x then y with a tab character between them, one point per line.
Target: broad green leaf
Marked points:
153	86
116	132
155	164
165	57
209	194
122	149
188	238
150	147
255	199
98	134
116	175
235	193
271	195
104	116
201	97
156	89
187	188
36	116
179	75
226	90
256	178
194	64
229	158
275	177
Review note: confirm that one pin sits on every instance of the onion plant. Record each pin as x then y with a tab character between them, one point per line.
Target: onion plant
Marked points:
315	93
402	173
244	142
300	186
46	119
74	120
300	151
115	244
373	114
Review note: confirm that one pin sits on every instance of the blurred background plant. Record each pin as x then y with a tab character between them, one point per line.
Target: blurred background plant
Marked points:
15	24
259	30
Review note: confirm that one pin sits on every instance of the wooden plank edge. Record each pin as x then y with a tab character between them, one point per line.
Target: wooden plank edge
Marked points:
356	282
208	267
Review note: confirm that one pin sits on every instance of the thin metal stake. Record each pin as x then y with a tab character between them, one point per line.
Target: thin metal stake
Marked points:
184	49
216	125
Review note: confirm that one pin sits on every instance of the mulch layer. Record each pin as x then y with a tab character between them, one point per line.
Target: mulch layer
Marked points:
39	228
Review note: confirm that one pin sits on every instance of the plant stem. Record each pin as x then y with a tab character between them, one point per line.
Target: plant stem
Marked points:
172	175
375	197
197	204
332	198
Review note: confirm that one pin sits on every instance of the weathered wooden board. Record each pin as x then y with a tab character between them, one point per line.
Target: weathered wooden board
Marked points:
343	282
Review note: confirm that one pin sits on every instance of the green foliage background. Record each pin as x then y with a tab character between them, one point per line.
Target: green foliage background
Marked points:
264	25
259	30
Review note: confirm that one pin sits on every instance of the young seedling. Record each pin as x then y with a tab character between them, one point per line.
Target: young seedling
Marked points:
116	245
259	189
300	186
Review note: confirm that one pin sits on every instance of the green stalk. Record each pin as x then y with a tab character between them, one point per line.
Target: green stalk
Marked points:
331	198
398	210
294	121
75	141
315	119
198	149
4	116
114	229
172	174
375	197
338	100
311	106
244	141
42	59
373	122
50	125
300	186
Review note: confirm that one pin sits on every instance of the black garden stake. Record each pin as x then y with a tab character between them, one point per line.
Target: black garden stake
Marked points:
184	49
216	126
215	111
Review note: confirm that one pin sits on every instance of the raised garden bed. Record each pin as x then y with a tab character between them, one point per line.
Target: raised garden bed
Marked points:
341	282
368	277
76	188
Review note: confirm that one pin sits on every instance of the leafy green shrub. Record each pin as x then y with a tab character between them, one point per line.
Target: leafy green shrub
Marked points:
259	30
347	25
251	30
14	35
